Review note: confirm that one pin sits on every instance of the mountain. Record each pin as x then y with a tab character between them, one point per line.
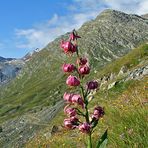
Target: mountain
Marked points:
29	55
9	68
28	100
111	35
2	59
145	16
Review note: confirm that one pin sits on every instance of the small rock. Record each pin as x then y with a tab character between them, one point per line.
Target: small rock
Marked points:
122	70
112	76
112	85
47	135
54	129
145	71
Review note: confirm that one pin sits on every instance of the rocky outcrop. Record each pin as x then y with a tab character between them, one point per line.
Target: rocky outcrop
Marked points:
136	74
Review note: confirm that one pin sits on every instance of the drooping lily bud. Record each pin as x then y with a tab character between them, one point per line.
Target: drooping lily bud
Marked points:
73	36
70	111
68	124
74	120
81	61
68	67
84	70
76	98
68	47
85	127
72	81
98	113
73	48
68	97
92	85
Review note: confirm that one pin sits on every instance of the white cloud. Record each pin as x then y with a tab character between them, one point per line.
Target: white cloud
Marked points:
40	35
129	6
81	11
143	7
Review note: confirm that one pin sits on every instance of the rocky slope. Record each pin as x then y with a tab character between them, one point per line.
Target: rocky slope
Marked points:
110	36
9	68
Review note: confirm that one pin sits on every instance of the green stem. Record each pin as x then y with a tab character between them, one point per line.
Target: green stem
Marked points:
86	115
89	144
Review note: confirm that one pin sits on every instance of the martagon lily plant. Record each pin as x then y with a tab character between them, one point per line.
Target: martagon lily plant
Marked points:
77	103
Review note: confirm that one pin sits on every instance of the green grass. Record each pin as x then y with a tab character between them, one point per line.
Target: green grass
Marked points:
126	111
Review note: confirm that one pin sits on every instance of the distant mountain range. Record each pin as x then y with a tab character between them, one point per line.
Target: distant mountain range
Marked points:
2	59
9	68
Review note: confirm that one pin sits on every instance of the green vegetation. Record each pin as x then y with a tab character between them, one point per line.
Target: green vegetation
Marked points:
126	119
40	85
126	107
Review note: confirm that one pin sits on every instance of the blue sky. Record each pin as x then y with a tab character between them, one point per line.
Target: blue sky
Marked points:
29	24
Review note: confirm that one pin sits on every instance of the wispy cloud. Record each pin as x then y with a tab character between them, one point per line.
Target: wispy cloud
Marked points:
80	11
43	33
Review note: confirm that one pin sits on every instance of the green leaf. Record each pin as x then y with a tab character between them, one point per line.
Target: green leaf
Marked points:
102	141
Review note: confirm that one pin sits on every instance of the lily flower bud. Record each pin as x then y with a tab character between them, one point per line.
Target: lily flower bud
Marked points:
72	81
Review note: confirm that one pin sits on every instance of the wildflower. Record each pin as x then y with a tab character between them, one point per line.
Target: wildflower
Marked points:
85	127
68	124
72	81
76	98
92	85
68	67
81	61
72	99
98	113
68	47
73	36
84	70
68	97
70	111
74	120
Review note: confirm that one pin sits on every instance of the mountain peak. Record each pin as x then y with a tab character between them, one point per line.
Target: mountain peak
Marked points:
111	11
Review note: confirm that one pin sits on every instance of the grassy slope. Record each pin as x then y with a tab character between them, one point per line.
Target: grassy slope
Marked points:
35	89
126	107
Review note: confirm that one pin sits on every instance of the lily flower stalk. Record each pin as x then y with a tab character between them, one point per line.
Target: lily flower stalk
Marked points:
77	103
